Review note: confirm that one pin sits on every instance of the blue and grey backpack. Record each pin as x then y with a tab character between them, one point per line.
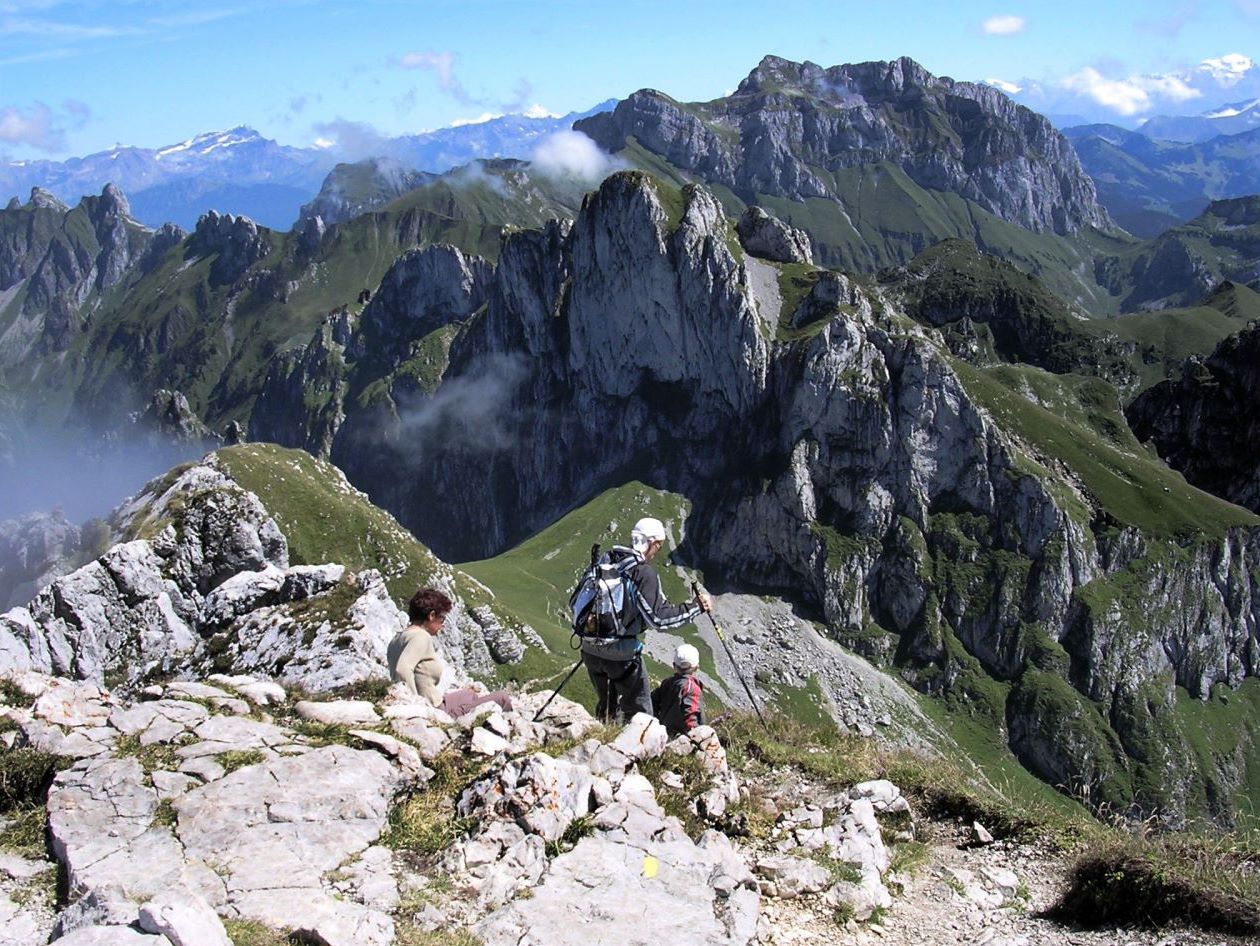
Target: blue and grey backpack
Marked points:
603	604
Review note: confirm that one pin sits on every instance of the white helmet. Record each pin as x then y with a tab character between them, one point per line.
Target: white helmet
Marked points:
686	657
646	530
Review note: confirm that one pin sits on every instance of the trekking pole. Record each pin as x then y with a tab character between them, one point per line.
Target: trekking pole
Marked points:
695	588
538	715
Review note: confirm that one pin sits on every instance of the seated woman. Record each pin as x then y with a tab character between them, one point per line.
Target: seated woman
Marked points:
414	661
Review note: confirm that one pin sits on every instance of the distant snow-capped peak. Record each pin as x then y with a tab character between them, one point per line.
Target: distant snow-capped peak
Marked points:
210	141
1234	110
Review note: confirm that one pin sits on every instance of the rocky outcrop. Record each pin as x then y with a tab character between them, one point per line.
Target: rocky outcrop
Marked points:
654	330
204	585
188	807
352	189
302	401
788	125
423	290
64	257
235	243
37	548
168	417
1206	424
765	235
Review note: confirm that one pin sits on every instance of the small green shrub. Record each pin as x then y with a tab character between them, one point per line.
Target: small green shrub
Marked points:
239	759
253	933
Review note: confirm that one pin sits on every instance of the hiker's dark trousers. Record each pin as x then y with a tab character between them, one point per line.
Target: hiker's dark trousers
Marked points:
622	687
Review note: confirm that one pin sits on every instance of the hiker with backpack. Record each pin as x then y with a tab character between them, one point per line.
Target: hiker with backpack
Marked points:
618	599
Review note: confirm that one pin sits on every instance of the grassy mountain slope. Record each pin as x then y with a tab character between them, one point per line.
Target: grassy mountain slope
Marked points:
1185	263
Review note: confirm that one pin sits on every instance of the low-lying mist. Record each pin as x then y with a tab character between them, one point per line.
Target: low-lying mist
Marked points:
78	473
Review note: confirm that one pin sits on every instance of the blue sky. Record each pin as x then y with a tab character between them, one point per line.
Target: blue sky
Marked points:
78	76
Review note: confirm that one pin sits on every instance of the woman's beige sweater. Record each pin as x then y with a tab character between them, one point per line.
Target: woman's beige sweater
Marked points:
413	659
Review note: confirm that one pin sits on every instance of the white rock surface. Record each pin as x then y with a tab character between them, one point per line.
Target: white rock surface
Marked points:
183	918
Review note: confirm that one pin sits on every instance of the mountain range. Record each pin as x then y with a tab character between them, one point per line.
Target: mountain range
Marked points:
864	320
241	172
1149	185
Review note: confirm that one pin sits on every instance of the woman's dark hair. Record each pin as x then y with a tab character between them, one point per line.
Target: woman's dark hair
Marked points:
424	602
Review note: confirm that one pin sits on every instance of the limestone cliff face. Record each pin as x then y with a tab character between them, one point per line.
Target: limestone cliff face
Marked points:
789	124
302	401
203	583
234	241
607	349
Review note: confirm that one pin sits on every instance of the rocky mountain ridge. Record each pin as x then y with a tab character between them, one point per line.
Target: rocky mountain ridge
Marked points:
789	125
1204	425
170	805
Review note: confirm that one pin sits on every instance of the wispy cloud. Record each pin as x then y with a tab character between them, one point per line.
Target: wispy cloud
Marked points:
44	55
1172	25
197	17
355	140
1005	25
442	65
61	31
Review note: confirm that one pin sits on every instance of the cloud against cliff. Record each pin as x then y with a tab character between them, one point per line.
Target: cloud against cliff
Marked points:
476	410
1004	25
572	154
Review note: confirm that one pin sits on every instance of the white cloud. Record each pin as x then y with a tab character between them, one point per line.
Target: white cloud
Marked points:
1228	69
1004	25
35	127
354	140
572	154
443	64
538	111
1131	95
1010	88
323	143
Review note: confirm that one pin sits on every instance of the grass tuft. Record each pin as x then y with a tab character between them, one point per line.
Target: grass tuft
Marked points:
424	822
1211	882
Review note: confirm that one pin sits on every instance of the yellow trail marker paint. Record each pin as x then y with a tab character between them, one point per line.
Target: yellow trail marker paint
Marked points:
649	866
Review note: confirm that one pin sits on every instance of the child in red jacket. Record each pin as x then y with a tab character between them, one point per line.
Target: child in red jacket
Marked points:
677	701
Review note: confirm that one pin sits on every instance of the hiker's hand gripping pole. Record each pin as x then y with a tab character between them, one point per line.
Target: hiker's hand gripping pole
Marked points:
717	629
